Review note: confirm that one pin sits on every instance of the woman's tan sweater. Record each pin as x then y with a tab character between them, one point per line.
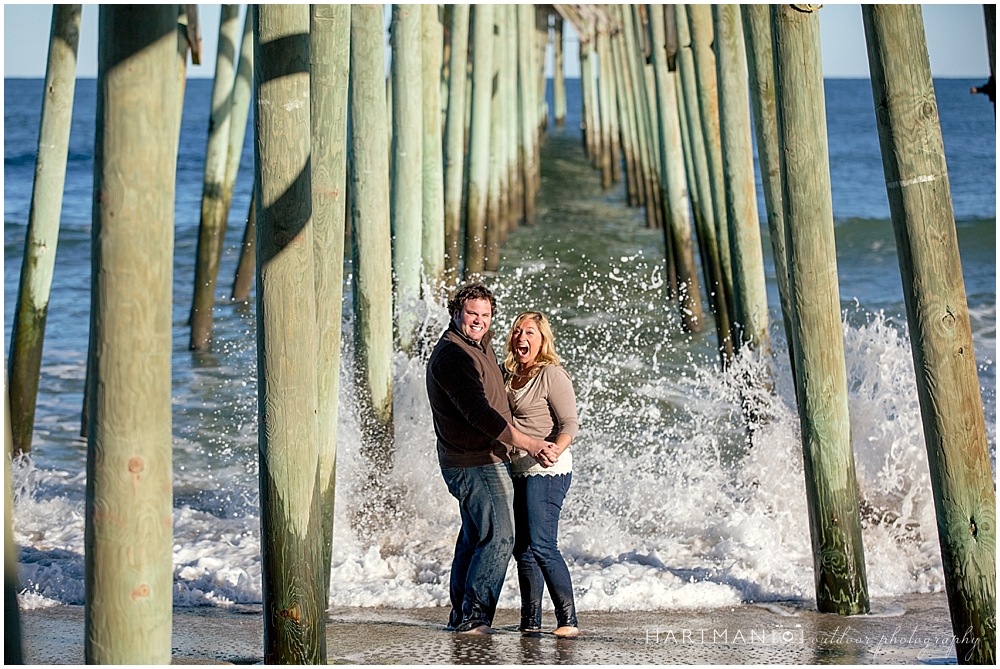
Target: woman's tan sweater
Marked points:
544	409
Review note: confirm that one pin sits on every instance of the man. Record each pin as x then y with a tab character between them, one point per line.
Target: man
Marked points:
472	422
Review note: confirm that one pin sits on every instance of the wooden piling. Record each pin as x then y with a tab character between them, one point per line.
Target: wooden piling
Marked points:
479	140
587	96
244	279
372	251
558	74
831	487
749	289
329	74
432	244
760	67
406	193
494	224
242	89
672	171
626	122
13	652
704	215
515	206
288	432
702	37
916	177
527	109
990	17
128	556
635	83
42	236
604	97
647	88
212	229
454	153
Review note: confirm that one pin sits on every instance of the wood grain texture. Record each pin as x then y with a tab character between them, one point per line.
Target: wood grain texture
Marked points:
749	289
288	431
212	228
760	69
407	175
432	244
559	74
479	140
831	487
672	169
42	236
454	152
493	232
128	569
919	193
526	95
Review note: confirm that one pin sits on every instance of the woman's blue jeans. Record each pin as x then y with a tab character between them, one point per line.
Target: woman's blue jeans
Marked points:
482	552
537	503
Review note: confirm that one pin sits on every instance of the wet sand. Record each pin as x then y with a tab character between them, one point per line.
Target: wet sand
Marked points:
912	629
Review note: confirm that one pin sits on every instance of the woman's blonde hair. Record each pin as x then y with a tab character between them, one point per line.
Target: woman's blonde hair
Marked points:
546	354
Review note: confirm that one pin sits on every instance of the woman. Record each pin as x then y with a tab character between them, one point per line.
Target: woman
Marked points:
543	405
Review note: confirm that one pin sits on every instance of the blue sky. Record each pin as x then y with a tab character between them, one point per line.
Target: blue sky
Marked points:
956	41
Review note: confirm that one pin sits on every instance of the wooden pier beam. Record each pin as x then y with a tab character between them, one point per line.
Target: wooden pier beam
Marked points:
242	89
479	140
288	434
831	485
432	244
244	279
42	236
760	67
494	222
515	206
212	229
626	119
13	650
454	152
368	158
329	76
749	288
704	216
558	74
647	87
526	87
916	177
702	37
128	557
672	171
407	168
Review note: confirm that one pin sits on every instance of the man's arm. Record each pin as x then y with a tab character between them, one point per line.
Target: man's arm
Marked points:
545	452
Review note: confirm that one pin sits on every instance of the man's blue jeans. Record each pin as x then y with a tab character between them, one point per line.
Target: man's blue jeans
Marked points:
485	498
537	503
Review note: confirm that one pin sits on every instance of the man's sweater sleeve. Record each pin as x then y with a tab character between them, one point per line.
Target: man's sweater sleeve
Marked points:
458	377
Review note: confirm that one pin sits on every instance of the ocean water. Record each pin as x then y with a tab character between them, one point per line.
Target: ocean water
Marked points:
670	507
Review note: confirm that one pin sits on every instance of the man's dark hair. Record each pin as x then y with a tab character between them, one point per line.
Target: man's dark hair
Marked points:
471	291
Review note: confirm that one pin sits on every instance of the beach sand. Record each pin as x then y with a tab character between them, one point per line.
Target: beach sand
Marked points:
911	629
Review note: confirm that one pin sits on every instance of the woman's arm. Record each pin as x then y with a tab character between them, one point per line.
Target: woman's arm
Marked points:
562	401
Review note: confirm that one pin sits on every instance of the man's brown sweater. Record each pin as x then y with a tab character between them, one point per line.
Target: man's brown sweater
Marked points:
468	400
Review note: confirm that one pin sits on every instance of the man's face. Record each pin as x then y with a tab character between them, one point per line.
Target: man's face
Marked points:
474	319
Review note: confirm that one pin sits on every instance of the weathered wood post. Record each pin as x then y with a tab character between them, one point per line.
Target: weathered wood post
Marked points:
13	653
288	433
128	567
527	113
42	236
242	89
831	487
590	124
244	279
702	36
479	140
916	178
454	152
494	223
212	230
432	244
625	119
760	67
704	216
672	172
749	288
329	74
604	97
368	157
647	86
407	169
515	197
558	74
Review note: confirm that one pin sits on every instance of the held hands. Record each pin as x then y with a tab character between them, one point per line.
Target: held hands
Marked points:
545	452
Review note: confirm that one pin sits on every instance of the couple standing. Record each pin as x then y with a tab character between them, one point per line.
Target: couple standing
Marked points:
502	439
